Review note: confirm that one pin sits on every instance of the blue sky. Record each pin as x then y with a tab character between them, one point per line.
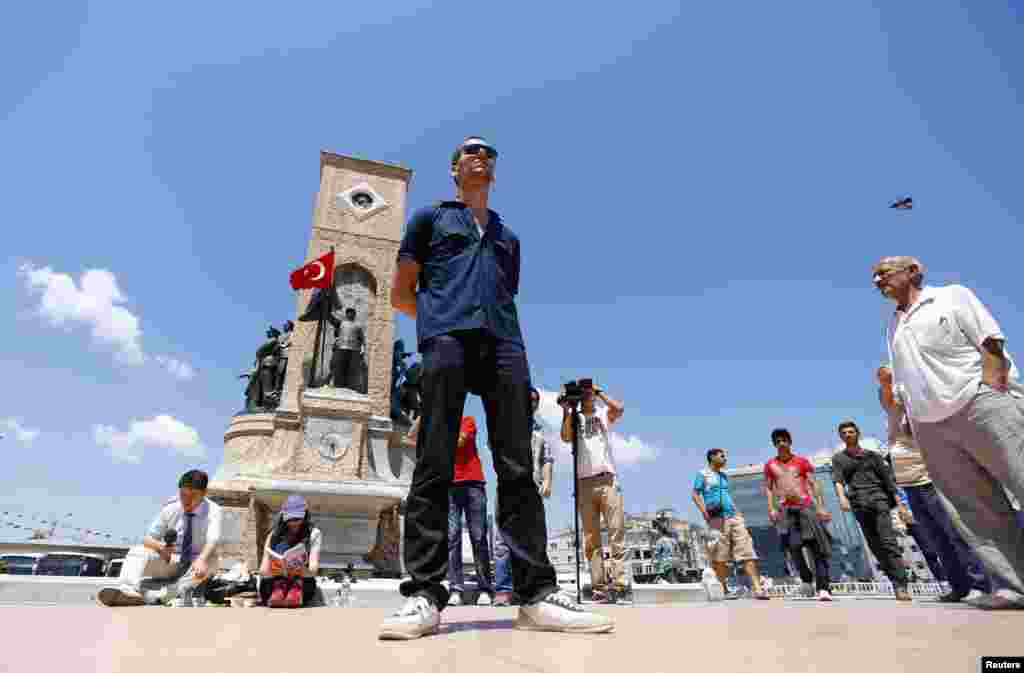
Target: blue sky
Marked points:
699	190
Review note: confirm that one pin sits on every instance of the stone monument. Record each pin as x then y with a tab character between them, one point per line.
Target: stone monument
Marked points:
337	447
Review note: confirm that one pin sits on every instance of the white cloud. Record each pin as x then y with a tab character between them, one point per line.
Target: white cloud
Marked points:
627	449
161	431
95	301
176	368
22	434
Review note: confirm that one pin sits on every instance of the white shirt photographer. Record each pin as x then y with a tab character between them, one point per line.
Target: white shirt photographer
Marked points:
595	447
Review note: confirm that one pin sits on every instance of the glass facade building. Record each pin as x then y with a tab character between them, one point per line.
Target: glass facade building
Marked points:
849	551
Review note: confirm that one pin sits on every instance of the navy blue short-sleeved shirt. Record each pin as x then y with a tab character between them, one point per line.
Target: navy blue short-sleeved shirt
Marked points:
466	282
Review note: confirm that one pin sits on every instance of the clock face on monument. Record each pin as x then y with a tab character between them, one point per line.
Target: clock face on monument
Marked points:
330	438
333	446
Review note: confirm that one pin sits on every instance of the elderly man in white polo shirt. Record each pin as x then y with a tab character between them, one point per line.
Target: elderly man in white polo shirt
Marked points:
178	554
962	397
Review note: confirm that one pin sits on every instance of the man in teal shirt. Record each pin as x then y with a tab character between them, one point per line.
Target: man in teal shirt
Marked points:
731	539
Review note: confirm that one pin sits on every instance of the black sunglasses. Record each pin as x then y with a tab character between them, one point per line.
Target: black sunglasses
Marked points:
477	148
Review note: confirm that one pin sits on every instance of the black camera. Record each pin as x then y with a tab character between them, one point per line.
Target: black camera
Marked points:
572	392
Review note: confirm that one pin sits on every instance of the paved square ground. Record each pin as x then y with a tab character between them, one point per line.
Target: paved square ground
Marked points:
862	636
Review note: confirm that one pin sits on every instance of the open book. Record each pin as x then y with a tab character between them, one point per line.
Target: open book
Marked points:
291	562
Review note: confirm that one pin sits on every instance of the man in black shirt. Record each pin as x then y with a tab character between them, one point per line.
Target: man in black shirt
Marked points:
865	485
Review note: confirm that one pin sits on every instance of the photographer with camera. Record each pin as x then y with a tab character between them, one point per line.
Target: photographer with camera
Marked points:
457	275
600	493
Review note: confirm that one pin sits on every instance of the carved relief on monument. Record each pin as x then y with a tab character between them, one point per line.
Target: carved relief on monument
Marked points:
361	201
330	439
331	449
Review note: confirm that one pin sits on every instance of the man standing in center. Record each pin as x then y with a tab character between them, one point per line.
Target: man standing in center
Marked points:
599	491
457	276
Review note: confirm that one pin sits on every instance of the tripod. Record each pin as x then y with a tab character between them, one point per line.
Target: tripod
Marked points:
573	409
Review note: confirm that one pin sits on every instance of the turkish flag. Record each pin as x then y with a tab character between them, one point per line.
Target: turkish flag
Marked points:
317	273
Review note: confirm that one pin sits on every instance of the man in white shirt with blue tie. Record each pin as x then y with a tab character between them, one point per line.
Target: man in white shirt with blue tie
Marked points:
178	555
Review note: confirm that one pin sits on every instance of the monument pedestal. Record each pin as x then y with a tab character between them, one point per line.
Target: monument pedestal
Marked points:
336	447
351	469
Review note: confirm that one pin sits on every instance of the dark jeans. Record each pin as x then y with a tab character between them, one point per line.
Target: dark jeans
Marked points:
821	575
470	498
928	551
963	568
876	523
502	572
454	365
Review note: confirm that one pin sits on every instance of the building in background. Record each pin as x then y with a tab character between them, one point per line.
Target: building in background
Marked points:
639	541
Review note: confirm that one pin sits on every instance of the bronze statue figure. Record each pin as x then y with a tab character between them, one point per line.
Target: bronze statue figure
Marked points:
262	394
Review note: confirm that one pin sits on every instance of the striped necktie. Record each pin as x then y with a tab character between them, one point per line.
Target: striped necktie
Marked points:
186	541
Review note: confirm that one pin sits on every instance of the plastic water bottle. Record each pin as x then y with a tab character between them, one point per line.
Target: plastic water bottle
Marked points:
346	592
712	587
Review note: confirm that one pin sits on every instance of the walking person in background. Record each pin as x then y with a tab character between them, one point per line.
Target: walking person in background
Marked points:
797	505
865	485
925	514
962	395
731	541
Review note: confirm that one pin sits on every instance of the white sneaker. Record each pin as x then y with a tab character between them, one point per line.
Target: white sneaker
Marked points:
119	597
157	596
1004	599
417	618
483	599
559	612
807	590
824	596
972	596
455	598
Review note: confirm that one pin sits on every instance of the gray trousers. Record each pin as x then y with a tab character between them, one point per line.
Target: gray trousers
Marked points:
972	456
147	573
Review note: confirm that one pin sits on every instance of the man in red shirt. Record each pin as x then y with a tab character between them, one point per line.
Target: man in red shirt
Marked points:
468	495
796	505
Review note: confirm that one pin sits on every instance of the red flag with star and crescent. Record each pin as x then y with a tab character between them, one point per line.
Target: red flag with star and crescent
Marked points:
317	273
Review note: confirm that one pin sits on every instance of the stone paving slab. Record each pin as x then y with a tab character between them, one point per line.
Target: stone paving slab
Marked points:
759	637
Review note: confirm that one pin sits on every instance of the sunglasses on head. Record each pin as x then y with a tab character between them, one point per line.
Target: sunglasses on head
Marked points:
475	149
